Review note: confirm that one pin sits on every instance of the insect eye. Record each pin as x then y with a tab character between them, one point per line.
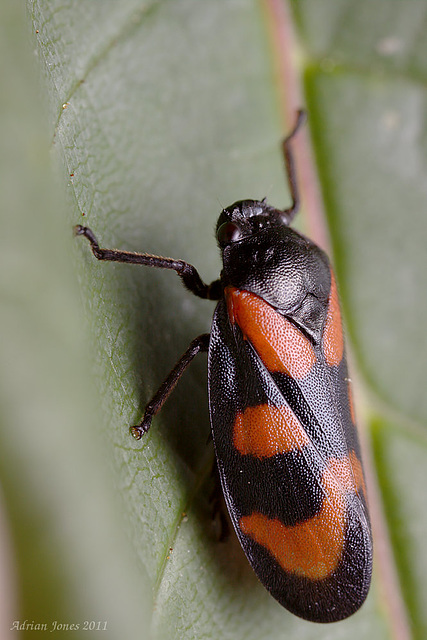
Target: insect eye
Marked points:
229	232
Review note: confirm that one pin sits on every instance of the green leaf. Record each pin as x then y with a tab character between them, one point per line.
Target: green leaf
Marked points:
65	557
160	113
364	79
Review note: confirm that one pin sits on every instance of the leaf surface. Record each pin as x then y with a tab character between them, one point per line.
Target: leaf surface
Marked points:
161	113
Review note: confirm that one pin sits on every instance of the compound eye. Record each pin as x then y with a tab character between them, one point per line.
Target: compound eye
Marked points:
229	232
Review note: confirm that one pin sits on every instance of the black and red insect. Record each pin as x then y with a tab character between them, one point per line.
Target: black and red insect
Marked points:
280	405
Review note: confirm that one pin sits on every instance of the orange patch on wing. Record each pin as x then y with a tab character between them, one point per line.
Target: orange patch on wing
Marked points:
264	431
359	478
333	339
350	402
313	548
279	344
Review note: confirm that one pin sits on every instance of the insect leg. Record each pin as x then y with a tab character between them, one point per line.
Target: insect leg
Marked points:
199	344
188	274
290	167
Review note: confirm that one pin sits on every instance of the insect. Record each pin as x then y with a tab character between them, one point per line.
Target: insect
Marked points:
280	406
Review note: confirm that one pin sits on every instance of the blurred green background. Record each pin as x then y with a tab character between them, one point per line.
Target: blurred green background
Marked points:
144	119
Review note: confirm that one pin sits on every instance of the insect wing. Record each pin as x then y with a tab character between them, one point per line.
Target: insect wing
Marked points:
288	459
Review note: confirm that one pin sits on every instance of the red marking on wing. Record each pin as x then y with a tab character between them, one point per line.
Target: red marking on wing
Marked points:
264	431
350	402
312	548
333	339
279	344
357	471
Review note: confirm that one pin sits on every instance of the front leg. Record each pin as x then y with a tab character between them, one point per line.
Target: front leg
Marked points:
188	274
